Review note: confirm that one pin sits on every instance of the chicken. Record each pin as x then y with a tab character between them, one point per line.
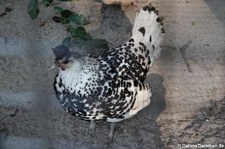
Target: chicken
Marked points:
109	85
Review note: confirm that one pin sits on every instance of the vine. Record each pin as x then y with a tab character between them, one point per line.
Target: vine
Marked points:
73	22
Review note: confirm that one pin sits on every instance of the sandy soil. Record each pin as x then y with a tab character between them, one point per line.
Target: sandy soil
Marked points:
186	106
206	128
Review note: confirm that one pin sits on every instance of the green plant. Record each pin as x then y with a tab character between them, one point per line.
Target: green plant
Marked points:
72	21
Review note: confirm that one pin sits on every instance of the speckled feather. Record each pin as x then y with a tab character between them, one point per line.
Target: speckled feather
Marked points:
110	85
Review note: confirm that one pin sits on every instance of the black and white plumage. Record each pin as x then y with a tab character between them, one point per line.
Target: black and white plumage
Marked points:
110	85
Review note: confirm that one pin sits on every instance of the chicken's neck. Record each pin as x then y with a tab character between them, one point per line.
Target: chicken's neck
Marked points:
70	75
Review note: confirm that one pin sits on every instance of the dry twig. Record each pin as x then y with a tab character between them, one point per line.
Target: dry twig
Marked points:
183	53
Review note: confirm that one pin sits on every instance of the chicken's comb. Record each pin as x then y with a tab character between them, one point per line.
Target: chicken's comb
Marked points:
61	52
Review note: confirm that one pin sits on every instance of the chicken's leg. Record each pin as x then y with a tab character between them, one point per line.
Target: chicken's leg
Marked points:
112	127
91	129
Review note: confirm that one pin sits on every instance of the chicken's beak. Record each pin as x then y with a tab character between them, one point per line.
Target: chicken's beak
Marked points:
60	65
56	63
53	66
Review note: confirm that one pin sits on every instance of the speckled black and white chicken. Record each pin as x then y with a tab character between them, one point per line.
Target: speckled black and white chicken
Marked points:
109	85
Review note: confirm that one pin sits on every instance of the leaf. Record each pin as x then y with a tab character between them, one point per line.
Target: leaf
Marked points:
58	9
66	13
78	32
78	19
33	9
60	20
57	19
8	9
47	3
67	41
3	14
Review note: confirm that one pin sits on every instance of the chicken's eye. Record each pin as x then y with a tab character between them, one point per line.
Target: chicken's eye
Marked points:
66	62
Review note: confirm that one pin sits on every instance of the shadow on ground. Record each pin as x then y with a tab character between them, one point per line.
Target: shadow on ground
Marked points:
217	10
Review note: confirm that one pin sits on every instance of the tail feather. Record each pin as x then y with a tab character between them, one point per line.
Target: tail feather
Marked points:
148	29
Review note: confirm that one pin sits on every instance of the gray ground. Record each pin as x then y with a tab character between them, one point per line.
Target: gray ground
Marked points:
188	81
